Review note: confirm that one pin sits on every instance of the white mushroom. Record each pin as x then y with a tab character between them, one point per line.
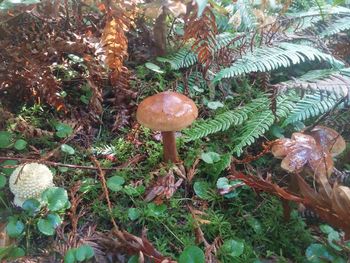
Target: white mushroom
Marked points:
29	181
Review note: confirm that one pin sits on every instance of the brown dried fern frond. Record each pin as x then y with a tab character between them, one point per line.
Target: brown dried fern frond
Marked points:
202	30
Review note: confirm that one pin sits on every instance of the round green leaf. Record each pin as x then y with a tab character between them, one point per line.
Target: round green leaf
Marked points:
192	254
115	183
2	181
31	206
54	219
233	248
5	139
84	252
153	67
133	259
56	198
8	171
210	157
63	130
67	149
202	190
45	227
20	145
133	213
15	252
14	227
70	256
215	105
316	252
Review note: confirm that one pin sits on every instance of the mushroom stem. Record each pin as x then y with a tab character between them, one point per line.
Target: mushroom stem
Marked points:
169	146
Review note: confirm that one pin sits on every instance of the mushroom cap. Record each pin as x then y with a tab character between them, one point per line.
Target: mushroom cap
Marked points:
167	111
329	139
29	181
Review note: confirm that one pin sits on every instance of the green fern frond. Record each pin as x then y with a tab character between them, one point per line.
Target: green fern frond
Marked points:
315	15
337	26
271	58
185	58
224	121
195	82
336	82
310	106
260	122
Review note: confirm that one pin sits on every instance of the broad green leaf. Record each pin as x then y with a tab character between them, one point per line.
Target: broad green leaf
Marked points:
63	130
8	171
153	67
134	259
210	157
2	181
215	105
70	256
233	248
192	254
45	227
315	252
67	149
84	252
115	183
56	198
31	206
202	190
133	213
154	210
20	144
5	139
10	252
201	6
14	227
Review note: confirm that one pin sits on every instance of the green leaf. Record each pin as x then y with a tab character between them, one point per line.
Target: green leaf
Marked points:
210	157
5	139
67	149
115	183
154	210
2	181
192	254
133	259
10	252
215	105
14	227
45	227
8	171
84	252
153	67
201	6
31	206
63	130
20	144
70	256
316	252
56	198
133	213
255	224
326	229
233	248
202	190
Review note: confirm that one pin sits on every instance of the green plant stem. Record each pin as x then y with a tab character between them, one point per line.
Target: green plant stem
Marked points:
171	232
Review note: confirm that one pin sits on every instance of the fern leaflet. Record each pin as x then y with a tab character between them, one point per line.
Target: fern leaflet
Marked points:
330	81
339	25
261	122
310	106
271	58
224	121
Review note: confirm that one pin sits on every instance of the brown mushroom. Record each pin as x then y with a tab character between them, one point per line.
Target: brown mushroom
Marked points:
329	139
167	112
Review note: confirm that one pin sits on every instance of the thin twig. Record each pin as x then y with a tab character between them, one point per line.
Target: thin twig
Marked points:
101	174
136	159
